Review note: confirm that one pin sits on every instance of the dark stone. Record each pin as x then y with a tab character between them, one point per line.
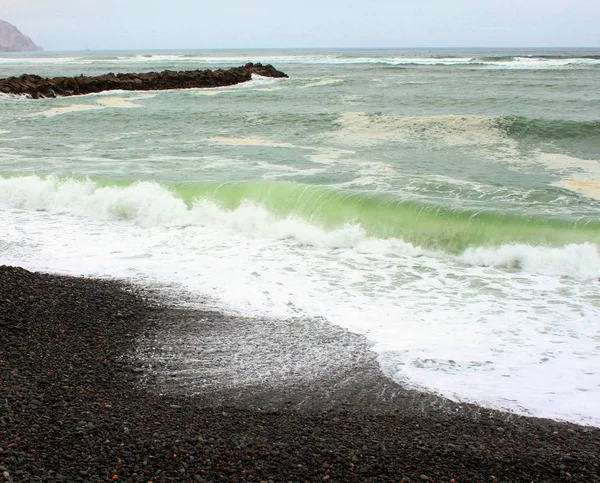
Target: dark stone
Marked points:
40	87
71	412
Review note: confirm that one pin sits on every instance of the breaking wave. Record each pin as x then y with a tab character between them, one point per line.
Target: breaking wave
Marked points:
549	129
325	217
391	58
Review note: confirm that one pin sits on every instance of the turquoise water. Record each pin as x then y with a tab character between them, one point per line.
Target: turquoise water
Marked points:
444	203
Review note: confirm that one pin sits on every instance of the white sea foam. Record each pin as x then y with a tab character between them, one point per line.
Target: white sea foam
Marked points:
535	63
362	129
581	175
323	82
577	260
119	102
587	187
331	155
150	58
269	58
563	162
514	340
41	60
12	97
150	204
516	63
18	138
101	103
251	142
320	155
258	82
57	111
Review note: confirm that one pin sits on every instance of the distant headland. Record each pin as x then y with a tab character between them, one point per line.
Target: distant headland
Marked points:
12	40
39	87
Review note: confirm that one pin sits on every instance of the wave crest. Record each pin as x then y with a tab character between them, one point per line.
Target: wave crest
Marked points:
311	215
575	260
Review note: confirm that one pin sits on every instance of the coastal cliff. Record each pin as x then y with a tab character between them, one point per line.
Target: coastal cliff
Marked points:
12	40
40	87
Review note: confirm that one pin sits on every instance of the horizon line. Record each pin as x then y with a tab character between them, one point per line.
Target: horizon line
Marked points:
302	48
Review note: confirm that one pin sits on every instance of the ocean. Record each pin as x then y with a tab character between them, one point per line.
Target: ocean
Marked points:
445	204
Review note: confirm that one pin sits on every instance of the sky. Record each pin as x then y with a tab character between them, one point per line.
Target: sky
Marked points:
194	24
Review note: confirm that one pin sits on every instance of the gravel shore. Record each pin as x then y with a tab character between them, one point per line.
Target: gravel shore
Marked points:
96	384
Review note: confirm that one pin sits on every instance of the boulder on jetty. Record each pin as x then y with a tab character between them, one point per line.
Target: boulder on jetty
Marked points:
40	87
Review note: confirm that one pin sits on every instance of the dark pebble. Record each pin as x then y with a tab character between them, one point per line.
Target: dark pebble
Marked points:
73	409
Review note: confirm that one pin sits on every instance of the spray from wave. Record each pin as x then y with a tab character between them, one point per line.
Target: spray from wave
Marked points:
326	217
533	62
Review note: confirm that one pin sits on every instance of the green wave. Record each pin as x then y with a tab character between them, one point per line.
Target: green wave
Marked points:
498	58
550	129
428	226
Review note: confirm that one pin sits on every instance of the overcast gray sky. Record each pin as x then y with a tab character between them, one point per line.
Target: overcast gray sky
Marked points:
178	24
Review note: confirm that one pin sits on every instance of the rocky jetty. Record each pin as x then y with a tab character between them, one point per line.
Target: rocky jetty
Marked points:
40	87
12	40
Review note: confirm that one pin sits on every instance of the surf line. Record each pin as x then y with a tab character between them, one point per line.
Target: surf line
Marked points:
38	87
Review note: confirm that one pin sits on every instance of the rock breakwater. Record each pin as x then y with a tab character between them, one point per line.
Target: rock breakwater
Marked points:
41	87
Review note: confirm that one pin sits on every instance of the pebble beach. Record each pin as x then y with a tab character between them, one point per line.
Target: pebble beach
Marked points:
76	405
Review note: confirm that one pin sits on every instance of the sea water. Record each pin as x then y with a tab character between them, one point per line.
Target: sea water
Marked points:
445	204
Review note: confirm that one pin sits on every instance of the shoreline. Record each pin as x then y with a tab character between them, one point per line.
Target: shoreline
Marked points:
96	383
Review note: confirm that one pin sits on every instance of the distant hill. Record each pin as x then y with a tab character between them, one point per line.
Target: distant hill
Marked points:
12	40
